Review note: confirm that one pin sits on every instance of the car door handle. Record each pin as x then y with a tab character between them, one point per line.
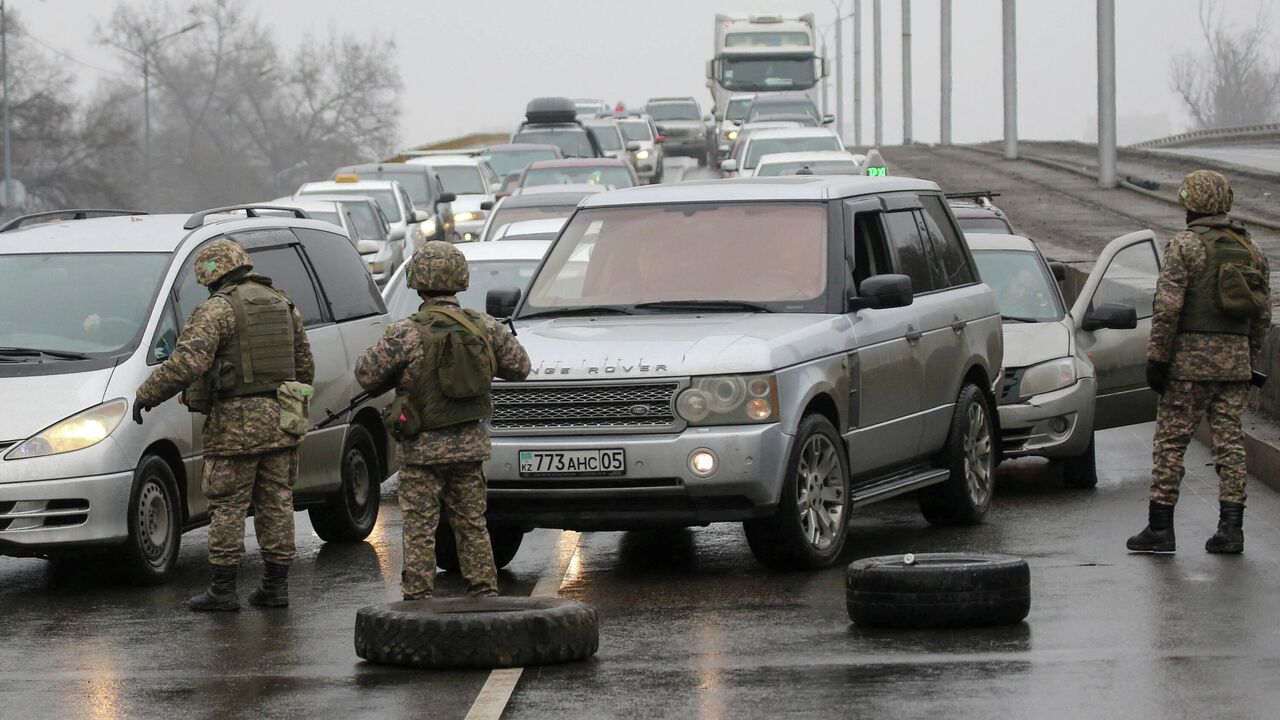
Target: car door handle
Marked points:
959	324
913	335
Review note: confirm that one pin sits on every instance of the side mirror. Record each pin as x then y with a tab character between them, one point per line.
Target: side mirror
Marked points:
729	165
1111	316
488	204
633	146
502	303
397	233
883	291
421	216
446	198
1059	271
828	119
368	247
659	139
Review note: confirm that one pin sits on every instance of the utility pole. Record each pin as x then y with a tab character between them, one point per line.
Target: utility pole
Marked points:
826	106
840	115
4	72
146	118
1010	82
945	124
877	70
857	72
1107	93
906	72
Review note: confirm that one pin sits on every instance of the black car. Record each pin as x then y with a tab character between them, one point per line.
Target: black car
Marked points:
424	188
795	107
554	121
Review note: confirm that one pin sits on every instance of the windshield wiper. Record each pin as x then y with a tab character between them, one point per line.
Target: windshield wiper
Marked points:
580	310
708	305
1015	318
37	352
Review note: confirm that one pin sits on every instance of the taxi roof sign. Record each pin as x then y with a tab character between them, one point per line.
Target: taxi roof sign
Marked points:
346	178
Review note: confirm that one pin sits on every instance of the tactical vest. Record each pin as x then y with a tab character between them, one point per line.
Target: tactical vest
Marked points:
1202	305
452	385
260	355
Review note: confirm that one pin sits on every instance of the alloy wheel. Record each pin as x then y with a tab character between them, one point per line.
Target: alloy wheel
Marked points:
977	454
820	494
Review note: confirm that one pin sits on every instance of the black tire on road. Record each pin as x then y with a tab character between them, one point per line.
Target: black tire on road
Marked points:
351	512
493	632
940	590
1081	471
504	539
970	455
811	495
154	522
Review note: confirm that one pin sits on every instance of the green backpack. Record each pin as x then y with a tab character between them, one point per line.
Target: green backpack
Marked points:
456	377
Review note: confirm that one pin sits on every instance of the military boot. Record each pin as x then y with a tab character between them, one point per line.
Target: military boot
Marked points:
274	591
221	594
1230	535
1158	535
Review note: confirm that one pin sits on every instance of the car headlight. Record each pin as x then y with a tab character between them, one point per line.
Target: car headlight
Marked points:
1047	377
468	216
729	400
731	135
424	230
82	430
642	154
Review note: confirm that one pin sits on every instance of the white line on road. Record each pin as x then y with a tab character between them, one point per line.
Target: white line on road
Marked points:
496	693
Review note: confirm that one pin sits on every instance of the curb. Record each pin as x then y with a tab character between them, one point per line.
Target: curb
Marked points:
1261	447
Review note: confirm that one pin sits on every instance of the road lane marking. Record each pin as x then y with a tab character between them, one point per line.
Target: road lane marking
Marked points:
496	693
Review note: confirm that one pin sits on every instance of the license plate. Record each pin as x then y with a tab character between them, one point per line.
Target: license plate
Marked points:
573	462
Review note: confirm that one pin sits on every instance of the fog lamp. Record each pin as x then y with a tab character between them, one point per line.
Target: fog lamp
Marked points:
702	462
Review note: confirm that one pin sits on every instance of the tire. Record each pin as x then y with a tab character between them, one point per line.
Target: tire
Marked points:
351	512
970	453
940	590
154	523
1081	471
504	539
490	632
702	161
793	538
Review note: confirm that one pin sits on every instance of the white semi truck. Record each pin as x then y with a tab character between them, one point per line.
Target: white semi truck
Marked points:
763	53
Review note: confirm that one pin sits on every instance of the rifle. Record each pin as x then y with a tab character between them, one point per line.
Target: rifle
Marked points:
362	397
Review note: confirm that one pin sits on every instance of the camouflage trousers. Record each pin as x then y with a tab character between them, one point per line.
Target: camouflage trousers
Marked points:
231	483
461	488
1181	408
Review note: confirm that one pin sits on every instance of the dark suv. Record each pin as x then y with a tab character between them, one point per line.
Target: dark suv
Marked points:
975	212
554	121
680	122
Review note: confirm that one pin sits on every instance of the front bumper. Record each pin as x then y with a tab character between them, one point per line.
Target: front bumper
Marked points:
1028	428
470	231
658	489
685	146
45	516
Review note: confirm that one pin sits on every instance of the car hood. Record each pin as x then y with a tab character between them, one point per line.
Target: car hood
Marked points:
681	124
34	403
676	345
1030	343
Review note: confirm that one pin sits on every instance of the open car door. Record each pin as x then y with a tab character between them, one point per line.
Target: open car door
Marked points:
1112	318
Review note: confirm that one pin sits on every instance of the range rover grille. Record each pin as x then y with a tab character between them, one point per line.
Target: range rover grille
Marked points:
645	406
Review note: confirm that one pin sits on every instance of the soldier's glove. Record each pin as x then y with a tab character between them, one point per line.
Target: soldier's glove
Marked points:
1157	375
138	409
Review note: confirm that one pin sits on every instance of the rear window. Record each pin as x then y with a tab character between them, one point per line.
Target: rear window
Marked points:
759	147
572	141
618	177
461	179
985	225
672	111
505	216
347	284
607	136
636	130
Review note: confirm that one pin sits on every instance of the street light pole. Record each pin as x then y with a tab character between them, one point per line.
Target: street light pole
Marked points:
826	106
1107	93
906	72
877	70
857	72
945	127
1010	81
838	6
4	73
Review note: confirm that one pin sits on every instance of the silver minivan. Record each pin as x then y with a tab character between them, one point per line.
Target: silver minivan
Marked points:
92	305
777	352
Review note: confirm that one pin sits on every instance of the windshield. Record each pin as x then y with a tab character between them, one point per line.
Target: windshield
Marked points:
636	130
414	183
365	219
505	215
616	176
754	74
772	253
775	109
101	301
385	199
820	167
759	147
572	142
461	179
985	225
509	161
672	111
767	39
737	109
607	136
1023	287
485	276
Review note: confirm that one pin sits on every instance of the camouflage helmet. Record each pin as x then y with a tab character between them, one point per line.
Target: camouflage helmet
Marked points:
218	259
1205	192
439	267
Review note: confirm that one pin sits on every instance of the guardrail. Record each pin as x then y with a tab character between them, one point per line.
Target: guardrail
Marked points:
1217	135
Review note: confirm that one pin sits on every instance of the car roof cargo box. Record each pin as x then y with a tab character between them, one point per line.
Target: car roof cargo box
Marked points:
550	110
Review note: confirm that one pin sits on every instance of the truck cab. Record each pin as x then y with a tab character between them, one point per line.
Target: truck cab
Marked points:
761	53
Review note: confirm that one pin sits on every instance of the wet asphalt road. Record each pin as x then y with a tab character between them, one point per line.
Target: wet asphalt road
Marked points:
692	626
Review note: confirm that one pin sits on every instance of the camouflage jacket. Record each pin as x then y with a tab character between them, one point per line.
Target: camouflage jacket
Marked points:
236	426
395	360
1200	356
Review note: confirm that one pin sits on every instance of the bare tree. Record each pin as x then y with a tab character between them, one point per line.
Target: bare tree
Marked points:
234	120
1231	80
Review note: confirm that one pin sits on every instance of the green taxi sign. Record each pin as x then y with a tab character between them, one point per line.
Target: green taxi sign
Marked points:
878	171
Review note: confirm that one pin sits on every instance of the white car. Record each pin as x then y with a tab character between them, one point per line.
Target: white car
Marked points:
493	265
780	140
361	218
473	184
823	162
404	218
1070	371
542	229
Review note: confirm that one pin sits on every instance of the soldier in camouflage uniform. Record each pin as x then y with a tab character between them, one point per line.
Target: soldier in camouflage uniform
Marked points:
249	458
1200	359
441	462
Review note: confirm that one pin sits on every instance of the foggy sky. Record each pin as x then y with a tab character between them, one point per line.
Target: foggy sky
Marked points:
473	65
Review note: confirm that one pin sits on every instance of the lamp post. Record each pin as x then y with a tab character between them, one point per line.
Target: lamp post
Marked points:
4	74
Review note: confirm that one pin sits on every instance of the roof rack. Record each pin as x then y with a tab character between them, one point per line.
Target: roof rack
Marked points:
982	197
197	219
72	214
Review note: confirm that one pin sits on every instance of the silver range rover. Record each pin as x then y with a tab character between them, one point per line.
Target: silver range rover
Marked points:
776	352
